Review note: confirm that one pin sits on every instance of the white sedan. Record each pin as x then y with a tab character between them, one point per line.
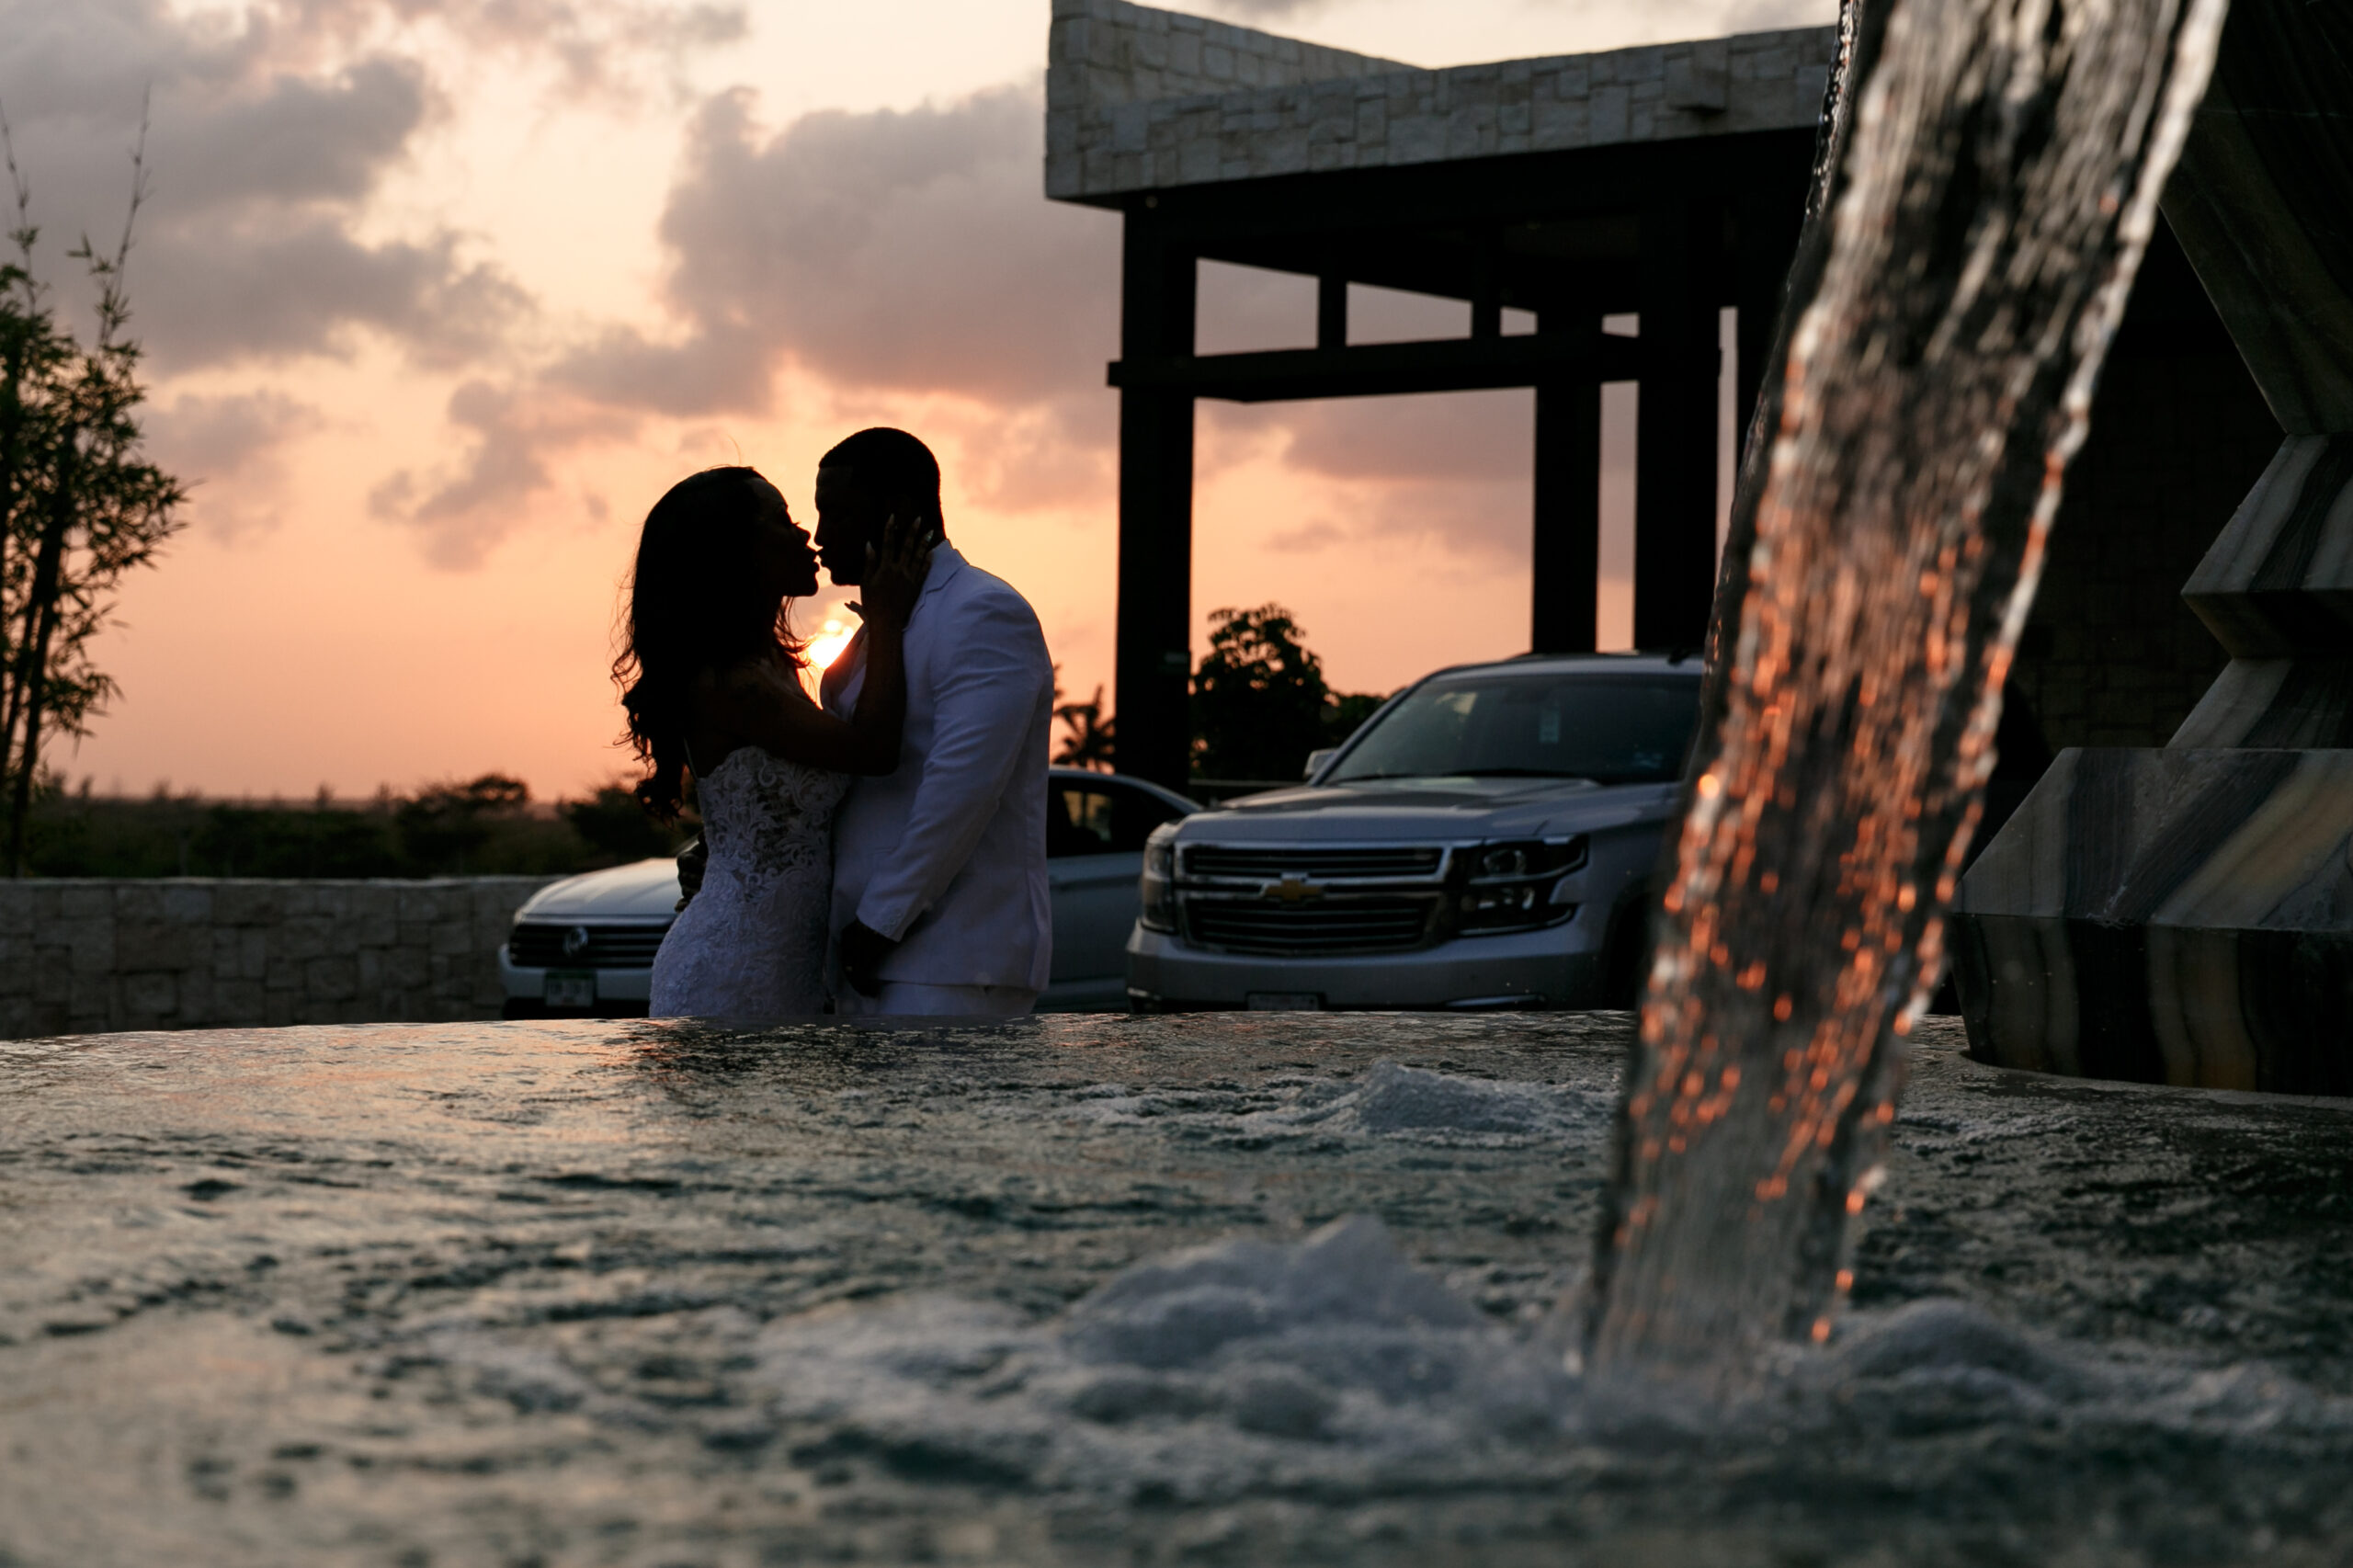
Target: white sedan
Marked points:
584	947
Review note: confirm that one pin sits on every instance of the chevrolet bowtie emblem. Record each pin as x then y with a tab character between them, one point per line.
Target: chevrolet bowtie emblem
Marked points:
1292	889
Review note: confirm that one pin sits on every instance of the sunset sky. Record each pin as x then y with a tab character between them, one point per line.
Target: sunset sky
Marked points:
438	297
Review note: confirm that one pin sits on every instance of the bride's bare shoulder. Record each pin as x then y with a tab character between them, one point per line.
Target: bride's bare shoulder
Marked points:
747	688
754	676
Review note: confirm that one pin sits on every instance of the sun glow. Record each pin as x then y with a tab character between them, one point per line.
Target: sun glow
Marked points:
827	646
830	638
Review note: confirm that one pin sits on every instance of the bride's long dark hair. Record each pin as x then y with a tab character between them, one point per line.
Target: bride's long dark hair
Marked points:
694	605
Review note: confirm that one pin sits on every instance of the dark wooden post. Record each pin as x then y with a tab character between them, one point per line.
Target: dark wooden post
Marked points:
1674	442
1487	288
1332	311
1152	663
1566	564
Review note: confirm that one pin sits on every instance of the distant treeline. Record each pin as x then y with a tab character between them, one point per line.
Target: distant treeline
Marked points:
489	826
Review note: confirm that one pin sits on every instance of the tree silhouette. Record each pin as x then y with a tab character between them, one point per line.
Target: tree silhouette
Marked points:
1089	740
1260	701
79	507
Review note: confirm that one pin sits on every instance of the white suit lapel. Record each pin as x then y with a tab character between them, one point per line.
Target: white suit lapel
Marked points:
846	676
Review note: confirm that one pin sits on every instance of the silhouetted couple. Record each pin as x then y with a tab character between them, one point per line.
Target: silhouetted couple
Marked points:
881	849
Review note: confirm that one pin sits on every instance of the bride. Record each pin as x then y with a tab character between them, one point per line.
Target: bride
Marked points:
712	679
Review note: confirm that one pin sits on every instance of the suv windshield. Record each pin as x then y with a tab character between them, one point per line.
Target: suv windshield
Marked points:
1613	729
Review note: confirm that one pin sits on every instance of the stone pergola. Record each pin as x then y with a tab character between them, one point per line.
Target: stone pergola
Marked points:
2173	901
1666	181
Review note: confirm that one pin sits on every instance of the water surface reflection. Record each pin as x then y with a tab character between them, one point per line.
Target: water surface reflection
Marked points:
647	1293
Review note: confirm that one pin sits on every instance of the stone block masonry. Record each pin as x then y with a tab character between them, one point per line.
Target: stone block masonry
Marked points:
87	957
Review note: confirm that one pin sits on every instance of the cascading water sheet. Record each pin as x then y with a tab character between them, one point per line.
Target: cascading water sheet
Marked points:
1987	210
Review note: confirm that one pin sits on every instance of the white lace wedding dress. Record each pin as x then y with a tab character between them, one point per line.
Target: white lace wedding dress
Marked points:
752	944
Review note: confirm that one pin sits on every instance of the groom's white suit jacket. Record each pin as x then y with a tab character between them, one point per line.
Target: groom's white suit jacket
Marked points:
947	855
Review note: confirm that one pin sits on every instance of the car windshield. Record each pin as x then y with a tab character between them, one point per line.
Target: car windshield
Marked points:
1613	729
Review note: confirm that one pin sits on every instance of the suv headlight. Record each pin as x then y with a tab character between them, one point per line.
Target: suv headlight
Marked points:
1157	891
1513	887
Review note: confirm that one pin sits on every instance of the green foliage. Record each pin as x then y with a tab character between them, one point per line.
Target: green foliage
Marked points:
1260	702
79	506
1347	715
487	826
611	822
449	824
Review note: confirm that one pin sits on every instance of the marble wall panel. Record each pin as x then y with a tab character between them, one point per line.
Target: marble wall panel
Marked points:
2263	200
2171	916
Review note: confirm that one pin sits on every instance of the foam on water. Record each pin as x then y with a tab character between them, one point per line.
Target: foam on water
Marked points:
1205	1374
1333	1365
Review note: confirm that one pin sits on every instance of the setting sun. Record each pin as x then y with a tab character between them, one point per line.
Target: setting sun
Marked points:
823	649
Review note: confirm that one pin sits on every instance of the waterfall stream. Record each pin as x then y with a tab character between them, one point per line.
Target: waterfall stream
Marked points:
1982	208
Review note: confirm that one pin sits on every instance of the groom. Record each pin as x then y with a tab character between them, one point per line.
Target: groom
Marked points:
940	902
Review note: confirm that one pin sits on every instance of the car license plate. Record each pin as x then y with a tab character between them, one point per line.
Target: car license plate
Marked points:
571	988
1286	1001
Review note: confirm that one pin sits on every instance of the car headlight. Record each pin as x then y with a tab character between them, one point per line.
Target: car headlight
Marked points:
1514	886
1157	889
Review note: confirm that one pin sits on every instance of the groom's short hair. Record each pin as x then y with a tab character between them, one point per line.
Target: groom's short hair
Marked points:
891	465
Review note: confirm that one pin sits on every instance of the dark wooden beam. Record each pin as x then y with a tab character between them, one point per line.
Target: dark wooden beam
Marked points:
1474	194
1547	220
1486	289
1332	311
1159	279
1674	432
1373	370
1566	561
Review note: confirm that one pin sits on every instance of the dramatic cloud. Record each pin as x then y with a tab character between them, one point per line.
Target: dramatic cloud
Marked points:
1465	436
882	255
461	513
264	292
615	47
261	165
886	253
912	251
1453	468
226	449
273	125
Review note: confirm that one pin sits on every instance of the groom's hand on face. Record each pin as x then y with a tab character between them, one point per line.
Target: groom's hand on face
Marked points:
863	951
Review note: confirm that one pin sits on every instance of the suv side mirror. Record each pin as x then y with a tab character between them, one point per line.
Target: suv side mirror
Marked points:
1316	759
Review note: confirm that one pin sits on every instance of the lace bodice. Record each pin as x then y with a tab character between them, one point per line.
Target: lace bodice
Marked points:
764	818
752	945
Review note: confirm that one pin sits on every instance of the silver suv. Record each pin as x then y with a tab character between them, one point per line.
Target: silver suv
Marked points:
1485	840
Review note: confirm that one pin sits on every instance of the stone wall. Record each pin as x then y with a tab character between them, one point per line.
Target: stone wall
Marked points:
81	957
1108	51
1138	97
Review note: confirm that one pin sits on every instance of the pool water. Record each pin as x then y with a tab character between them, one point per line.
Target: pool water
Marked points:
1243	1289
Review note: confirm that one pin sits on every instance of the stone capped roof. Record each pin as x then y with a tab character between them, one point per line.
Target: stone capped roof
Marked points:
1139	99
